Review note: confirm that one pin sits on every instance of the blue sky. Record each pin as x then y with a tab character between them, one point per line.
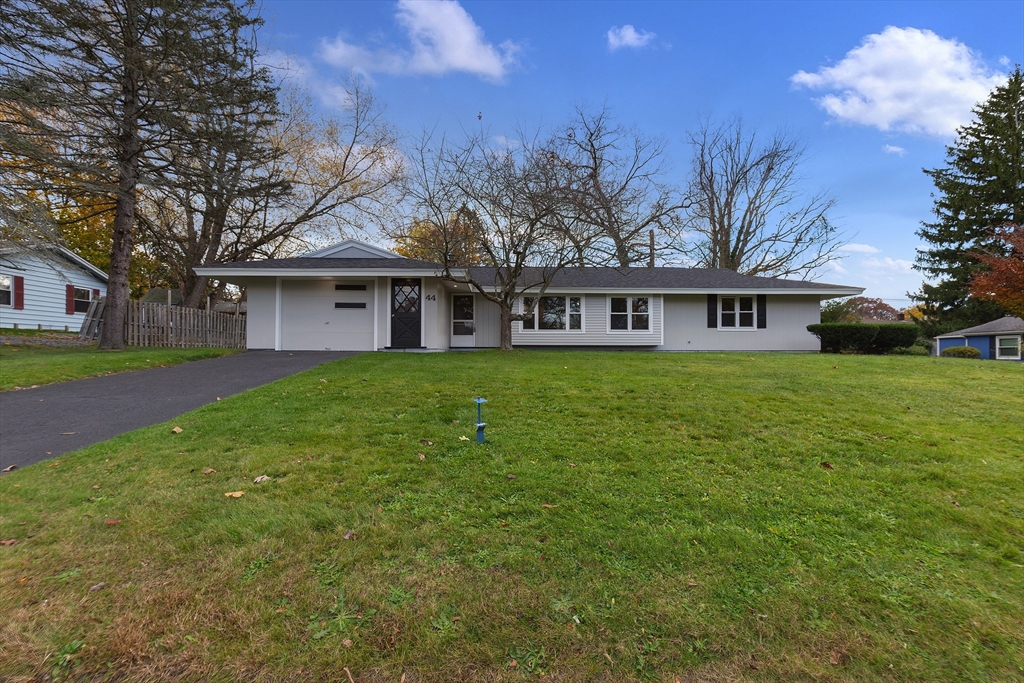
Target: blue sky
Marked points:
874	90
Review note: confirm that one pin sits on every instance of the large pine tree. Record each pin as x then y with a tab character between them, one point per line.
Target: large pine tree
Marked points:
981	188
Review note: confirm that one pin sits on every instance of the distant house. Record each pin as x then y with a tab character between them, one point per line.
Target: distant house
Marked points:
997	340
49	289
357	297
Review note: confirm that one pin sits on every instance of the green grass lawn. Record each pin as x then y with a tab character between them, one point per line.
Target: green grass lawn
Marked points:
632	517
25	366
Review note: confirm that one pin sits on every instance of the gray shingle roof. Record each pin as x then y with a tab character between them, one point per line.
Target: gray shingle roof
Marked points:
655	278
330	263
584	278
1005	324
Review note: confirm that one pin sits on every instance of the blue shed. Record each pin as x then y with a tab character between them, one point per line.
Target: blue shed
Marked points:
998	340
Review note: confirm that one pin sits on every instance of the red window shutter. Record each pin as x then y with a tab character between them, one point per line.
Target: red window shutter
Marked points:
69	299
95	294
19	292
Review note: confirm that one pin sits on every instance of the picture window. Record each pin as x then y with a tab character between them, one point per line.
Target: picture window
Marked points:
554	313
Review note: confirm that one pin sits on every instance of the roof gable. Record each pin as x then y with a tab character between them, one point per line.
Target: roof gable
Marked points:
352	249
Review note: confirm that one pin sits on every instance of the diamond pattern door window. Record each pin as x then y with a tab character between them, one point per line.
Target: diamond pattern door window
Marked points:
407	298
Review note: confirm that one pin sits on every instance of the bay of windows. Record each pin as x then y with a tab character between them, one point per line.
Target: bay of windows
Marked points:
554	313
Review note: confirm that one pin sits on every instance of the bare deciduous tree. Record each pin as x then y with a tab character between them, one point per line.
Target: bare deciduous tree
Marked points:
516	200
617	187
305	176
746	209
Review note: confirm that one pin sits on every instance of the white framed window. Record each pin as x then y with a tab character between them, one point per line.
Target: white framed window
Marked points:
1008	348
554	313
82	298
629	314
736	312
6	290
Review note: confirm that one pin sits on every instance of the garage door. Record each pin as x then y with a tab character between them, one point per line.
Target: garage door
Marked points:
334	315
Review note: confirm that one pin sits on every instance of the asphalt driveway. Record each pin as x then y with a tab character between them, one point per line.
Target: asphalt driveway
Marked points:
41	423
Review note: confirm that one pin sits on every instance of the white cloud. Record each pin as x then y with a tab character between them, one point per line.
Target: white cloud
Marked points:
442	37
627	36
859	249
886	265
893	149
1004	61
905	79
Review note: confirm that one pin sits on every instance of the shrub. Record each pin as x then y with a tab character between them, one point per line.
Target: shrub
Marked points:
914	350
893	335
961	352
836	337
925	344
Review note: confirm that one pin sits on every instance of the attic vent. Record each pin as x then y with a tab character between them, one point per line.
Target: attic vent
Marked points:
350	288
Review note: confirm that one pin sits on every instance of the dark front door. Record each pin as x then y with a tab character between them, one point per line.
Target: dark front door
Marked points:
405	313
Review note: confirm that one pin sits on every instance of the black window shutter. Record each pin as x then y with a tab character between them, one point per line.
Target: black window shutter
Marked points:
762	311
992	347
712	310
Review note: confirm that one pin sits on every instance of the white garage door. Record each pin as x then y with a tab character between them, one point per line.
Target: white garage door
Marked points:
318	315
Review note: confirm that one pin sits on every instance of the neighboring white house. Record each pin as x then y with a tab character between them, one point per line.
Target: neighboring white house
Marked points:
51	289
357	297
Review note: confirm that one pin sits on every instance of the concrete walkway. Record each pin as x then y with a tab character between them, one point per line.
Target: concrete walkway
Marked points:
36	424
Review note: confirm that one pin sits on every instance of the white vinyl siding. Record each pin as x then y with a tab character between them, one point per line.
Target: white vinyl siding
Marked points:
46	293
787	317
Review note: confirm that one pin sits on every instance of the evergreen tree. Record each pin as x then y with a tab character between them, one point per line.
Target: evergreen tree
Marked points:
980	189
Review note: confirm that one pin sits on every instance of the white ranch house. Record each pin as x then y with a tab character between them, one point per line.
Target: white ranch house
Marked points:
357	297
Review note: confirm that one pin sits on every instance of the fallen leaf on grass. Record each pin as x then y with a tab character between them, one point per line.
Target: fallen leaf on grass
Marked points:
350	535
956	503
463	438
421	456
609	659
346	642
98	586
235	494
828	466
513	664
260	479
511	476
177	430
113	521
572	464
426	442
690	586
56	464
548	505
209	470
9	541
9	468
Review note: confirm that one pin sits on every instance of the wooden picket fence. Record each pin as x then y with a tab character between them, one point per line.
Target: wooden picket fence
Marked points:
151	324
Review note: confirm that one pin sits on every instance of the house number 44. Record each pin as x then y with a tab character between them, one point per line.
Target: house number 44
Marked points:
431	297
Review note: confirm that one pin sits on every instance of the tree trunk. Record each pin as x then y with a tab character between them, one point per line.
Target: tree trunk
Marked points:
506	328
195	293
128	150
